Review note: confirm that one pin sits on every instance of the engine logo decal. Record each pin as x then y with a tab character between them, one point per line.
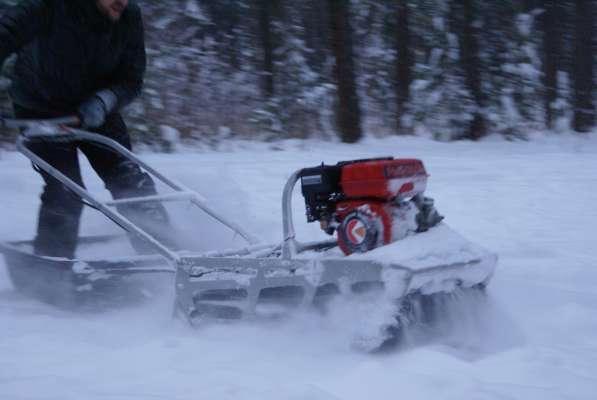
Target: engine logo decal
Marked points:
356	231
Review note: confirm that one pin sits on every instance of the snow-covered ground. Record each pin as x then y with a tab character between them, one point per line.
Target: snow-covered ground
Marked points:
534	203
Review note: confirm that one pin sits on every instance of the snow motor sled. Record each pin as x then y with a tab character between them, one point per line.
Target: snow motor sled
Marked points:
388	239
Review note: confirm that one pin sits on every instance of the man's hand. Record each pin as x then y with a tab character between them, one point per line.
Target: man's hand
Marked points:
93	112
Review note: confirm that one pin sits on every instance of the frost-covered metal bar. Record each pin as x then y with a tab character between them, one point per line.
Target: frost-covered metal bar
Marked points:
36	123
84	194
196	199
289	246
55	129
178	196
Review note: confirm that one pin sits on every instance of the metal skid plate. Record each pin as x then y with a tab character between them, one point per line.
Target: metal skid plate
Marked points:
224	288
230	288
91	285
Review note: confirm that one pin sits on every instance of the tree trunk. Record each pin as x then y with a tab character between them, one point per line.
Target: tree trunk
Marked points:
584	111
472	71
348	114
267	46
551	48
404	60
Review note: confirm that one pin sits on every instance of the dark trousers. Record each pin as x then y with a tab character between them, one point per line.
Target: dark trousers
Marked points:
60	210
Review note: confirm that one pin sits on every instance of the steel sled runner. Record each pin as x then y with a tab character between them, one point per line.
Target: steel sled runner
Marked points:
248	282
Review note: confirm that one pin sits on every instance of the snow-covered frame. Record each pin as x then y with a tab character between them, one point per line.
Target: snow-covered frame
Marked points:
231	284
56	130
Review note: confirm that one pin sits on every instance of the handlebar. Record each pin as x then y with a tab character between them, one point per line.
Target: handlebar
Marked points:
39	123
60	129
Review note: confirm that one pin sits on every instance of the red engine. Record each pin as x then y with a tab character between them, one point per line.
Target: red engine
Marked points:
368	202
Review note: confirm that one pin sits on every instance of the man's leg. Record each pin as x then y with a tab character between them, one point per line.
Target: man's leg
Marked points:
124	178
60	210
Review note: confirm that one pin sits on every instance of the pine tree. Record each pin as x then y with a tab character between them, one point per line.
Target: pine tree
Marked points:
374	26
441	103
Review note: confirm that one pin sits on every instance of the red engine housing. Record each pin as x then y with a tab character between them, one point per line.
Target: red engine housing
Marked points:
366	216
359	199
384	179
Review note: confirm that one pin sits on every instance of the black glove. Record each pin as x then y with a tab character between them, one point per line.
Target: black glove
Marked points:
93	111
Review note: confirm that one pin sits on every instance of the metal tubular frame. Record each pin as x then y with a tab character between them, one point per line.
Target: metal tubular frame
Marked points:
290	246
52	131
249	269
57	130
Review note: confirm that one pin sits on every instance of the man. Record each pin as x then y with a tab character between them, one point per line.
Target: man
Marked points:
85	58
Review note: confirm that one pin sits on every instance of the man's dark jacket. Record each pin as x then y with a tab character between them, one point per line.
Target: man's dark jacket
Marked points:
68	50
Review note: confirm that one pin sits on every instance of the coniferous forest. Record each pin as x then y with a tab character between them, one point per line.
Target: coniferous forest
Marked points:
451	69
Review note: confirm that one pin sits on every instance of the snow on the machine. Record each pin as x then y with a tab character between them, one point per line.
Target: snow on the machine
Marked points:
367	203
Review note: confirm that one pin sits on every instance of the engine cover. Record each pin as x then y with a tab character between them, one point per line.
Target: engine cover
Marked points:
368	202
384	179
